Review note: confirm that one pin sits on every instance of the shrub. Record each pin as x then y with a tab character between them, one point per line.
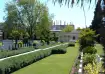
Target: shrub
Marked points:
59	50
86	38
35	44
89	58
71	44
90	50
77	41
10	65
92	68
20	44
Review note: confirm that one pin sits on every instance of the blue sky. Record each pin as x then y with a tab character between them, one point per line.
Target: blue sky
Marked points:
63	13
2	4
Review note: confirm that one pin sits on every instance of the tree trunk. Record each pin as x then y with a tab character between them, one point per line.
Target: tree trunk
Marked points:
48	42
16	40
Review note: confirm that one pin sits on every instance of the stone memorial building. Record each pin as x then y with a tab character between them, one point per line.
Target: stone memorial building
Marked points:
64	36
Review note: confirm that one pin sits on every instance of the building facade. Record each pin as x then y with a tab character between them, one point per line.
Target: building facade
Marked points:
69	36
65	36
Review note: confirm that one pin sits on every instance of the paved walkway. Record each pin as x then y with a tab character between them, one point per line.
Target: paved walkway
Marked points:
31	52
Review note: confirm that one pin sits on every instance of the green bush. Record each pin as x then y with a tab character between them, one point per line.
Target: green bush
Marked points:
86	38
90	50
59	50
35	44
10	65
89	58
20	44
71	44
77	41
93	68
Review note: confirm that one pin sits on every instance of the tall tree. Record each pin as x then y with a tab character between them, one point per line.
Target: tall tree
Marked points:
11	20
43	27
30	13
97	20
25	13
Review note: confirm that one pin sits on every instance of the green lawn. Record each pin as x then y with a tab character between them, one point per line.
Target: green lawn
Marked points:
54	64
99	49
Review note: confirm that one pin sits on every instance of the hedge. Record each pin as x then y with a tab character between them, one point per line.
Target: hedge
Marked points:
89	49
8	53
71	44
59	50
89	58
10	65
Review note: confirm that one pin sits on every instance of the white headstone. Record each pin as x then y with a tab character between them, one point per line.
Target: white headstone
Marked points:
80	71
7	44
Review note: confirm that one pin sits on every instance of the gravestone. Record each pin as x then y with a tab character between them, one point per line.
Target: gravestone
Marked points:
7	44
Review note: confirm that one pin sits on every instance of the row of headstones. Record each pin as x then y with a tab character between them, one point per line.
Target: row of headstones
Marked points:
9	44
80	71
23	45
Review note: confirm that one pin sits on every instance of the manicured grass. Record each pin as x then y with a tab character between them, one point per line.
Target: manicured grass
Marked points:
54	64
99	49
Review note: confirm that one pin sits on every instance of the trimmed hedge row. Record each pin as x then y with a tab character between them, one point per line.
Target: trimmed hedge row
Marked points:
59	50
7	53
71	44
10	65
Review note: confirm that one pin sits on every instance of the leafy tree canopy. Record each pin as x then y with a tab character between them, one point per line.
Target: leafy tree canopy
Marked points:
68	28
73	2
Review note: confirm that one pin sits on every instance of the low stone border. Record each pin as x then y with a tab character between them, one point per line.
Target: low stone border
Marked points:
80	71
